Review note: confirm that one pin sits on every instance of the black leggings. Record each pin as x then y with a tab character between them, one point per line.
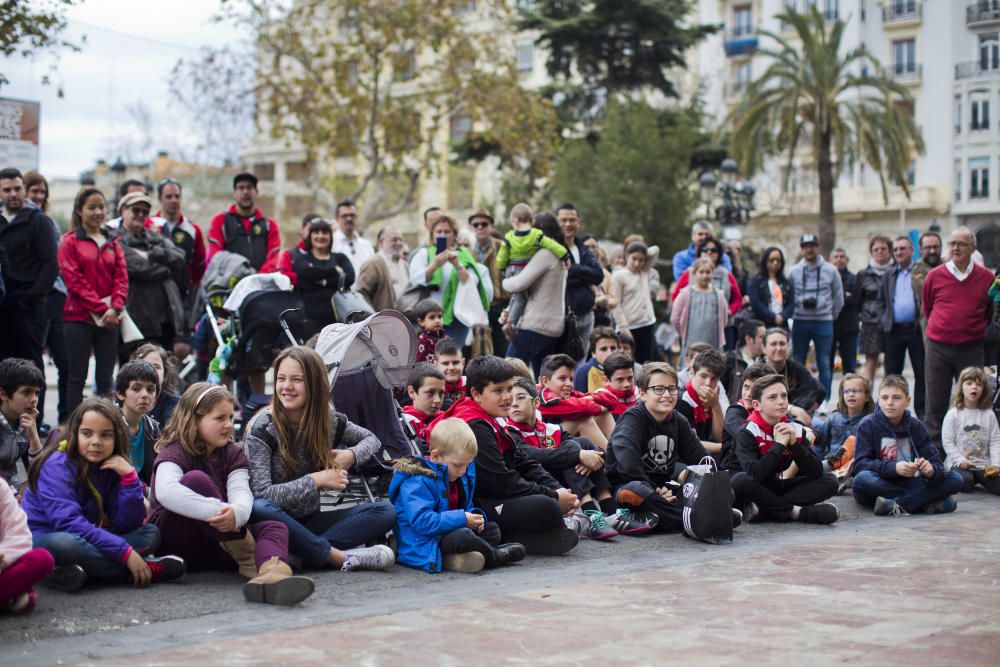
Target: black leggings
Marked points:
644	343
81	338
775	499
524	515
973	477
462	540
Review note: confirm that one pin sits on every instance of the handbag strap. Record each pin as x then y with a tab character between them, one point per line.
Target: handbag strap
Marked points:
710	462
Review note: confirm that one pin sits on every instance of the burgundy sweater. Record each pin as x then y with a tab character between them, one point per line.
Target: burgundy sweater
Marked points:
957	312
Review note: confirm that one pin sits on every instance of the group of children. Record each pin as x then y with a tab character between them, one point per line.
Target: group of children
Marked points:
511	466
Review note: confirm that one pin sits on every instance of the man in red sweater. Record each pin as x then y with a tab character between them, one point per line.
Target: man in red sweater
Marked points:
958	308
244	230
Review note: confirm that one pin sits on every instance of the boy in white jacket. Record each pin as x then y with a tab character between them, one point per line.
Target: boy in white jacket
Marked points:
21	567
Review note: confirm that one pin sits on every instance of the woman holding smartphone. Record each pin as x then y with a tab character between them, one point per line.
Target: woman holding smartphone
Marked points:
442	267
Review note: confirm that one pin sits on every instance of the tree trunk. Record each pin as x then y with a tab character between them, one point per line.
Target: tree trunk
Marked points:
827	219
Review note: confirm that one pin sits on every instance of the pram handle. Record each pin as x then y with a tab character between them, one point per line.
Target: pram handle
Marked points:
284	324
215	325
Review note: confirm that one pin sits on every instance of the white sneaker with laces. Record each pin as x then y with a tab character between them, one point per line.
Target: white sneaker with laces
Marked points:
379	557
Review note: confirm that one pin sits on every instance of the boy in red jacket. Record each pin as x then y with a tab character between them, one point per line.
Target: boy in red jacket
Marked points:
425	388
575	412
620	392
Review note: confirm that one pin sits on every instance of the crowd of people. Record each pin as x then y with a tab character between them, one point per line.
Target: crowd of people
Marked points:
558	392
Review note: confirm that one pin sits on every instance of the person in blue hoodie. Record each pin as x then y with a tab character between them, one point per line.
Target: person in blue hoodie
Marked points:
436	523
897	470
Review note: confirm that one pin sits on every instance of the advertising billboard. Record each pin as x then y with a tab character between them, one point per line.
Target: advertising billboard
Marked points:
19	133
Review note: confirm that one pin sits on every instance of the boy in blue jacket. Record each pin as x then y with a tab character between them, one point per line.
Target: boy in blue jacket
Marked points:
436	523
897	470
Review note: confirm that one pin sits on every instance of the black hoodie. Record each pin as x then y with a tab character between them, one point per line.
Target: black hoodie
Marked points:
643	449
30	241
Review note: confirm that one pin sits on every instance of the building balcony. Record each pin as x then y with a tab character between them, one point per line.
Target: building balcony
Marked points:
740	42
906	73
902	14
974	69
982	14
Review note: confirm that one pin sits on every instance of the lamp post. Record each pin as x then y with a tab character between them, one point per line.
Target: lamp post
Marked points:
735	195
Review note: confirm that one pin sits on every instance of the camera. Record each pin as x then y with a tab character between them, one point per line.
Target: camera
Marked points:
809	302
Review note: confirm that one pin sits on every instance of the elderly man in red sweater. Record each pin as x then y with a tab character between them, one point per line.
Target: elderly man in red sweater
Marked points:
958	309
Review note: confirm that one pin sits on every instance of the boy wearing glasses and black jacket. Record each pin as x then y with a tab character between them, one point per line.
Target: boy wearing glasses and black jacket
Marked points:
649	449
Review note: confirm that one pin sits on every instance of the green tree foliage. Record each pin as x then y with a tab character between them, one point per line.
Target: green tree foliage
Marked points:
602	49
385	83
843	109
30	28
636	177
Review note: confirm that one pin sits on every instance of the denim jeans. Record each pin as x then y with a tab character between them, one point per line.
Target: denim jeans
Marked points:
70	549
820	332
910	493
312	536
532	348
584	326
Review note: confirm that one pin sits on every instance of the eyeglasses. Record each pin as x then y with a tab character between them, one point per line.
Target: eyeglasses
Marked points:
659	390
480	225
959	244
853	390
714	251
774	260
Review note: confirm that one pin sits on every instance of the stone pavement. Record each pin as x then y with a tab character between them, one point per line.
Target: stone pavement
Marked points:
871	590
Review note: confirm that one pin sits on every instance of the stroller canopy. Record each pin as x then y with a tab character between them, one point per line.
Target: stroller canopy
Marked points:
385	342
259	282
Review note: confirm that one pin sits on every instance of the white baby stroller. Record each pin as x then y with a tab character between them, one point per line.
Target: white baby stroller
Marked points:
365	362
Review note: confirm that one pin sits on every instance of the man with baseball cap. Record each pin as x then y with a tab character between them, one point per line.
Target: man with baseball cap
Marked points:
244	230
819	297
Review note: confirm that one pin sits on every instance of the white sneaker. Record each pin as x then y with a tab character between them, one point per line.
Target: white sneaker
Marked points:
578	523
379	557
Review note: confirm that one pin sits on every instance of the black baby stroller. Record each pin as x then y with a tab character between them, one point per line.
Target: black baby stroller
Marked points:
365	361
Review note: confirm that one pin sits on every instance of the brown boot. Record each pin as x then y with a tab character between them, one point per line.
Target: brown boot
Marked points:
242	551
274	584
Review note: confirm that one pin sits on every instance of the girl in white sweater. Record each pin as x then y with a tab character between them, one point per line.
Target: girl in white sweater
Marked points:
971	435
630	287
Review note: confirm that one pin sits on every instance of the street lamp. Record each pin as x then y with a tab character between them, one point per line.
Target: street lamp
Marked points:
736	196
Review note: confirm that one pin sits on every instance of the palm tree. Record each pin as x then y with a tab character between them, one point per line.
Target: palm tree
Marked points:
843	106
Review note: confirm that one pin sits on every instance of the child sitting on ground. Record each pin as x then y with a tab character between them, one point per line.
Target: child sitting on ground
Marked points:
430	319
21	567
775	474
648	449
897	469
436	523
576	413
970	434
136	388
738	412
700	400
835	437
20	383
590	376
519	245
452	364
167	398
85	506
576	462
619	393
684	375
425	388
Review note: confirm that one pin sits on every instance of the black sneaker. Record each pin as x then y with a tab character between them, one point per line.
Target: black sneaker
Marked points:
66	578
506	554
554	542
821	513
166	568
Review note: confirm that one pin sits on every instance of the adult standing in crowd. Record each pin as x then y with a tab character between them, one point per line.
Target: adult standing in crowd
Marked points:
930	258
126	188
442	273
29	238
543	280
186	235
819	298
700	232
584	272
244	230
92	263
772	297
346	239
869	285
900	322
317	272
845	327
958	309
485	249
154	266
604	303
37	188
383	278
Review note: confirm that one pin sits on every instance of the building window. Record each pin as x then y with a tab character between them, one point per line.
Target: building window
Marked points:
525	57
742	75
831	9
958	180
911	174
979	177
904	7
989	52
742	21
979	104
264	171
958	114
904	56
461	125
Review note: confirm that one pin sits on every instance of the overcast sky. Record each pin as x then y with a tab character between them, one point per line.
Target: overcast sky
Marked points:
130	49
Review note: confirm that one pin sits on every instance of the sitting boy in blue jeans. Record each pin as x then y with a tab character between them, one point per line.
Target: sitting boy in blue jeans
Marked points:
436	523
897	470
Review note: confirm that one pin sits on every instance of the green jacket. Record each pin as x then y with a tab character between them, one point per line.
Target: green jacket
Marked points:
520	247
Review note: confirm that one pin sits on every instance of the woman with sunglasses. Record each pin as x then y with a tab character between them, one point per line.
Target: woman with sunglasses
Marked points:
772	298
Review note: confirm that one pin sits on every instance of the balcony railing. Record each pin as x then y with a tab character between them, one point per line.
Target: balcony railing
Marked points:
975	68
984	12
897	12
905	72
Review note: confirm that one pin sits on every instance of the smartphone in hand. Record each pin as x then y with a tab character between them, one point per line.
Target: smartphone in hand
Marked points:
442	244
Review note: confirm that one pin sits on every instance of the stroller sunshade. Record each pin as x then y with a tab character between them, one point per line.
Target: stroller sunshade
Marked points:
384	342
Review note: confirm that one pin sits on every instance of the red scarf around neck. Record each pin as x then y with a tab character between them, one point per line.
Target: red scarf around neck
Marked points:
702	414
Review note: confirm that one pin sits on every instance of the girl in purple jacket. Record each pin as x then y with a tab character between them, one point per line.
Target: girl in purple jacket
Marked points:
85	506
